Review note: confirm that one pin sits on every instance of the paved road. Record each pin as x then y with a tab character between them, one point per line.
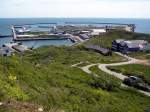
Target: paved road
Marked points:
75	65
86	69
104	68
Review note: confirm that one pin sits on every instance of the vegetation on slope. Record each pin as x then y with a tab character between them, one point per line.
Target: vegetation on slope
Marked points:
141	71
141	55
105	81
106	40
46	78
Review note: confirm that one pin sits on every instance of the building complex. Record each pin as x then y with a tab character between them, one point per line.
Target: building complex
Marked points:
126	46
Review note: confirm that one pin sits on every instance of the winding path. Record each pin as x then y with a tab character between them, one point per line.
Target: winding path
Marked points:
104	68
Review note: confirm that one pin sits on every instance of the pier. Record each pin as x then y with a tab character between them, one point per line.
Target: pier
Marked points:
14	33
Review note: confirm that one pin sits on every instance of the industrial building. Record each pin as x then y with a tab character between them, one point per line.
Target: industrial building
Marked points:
126	46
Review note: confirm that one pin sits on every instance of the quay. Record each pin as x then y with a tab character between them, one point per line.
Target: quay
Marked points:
14	33
35	37
109	26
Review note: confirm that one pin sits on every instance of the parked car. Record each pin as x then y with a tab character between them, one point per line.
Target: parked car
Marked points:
137	83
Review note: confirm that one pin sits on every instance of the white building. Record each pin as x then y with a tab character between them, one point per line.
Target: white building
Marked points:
96	32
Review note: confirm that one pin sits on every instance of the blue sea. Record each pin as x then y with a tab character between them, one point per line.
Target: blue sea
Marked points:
142	26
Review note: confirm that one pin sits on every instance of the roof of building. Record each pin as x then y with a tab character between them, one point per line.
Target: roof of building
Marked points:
20	48
145	47
5	50
84	36
132	45
132	41
98	48
137	41
119	40
142	44
98	31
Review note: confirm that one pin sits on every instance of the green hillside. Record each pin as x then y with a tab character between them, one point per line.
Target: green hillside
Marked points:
106	40
45	78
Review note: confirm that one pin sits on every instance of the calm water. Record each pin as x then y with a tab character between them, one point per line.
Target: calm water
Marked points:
38	43
142	25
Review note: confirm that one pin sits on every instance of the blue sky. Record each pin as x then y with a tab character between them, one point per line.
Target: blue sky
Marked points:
75	8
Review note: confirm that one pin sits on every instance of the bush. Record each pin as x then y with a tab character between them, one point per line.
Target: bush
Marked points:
108	85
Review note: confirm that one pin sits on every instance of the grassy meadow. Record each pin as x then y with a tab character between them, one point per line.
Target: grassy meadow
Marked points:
45	77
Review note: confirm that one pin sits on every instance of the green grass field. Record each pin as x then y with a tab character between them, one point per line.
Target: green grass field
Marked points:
141	55
45	77
141	71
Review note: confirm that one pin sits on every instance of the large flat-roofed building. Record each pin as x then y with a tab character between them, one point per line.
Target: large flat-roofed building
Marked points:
126	46
96	32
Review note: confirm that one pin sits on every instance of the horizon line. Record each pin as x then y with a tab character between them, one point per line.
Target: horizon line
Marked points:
69	18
